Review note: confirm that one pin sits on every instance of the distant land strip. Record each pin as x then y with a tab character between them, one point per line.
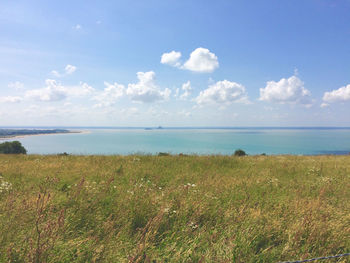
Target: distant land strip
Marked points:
10	133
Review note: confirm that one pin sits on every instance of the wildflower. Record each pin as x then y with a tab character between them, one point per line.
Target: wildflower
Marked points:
160	188
193	225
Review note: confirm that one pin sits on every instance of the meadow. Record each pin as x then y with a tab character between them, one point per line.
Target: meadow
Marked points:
143	208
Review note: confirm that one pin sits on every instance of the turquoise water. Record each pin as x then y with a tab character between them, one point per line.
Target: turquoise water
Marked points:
193	141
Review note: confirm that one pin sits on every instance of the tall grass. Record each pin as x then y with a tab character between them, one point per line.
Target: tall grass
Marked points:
173	208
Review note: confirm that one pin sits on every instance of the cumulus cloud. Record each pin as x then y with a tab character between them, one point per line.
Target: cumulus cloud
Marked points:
110	95
223	92
68	70
81	90
172	58
286	91
54	91
10	99
201	60
146	90
339	95
186	87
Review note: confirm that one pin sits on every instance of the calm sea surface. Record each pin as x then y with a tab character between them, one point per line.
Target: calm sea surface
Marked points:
194	141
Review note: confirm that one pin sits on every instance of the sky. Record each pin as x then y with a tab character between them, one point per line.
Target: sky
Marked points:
175	63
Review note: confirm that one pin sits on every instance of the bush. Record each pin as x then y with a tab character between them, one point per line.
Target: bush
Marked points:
239	152
14	147
163	154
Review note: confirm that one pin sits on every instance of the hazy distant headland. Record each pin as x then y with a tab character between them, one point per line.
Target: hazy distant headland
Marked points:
11	133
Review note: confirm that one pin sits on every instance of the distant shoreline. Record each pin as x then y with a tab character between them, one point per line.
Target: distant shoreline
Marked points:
19	136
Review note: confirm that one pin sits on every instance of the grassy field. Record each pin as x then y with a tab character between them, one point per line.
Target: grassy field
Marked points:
173	208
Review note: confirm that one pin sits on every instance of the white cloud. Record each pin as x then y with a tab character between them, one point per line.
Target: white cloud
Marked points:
286	91
186	87
56	73
55	91
146	90
339	95
177	91
324	105
69	69
77	27
172	58
10	99
201	60
223	92
16	85
110	95
81	90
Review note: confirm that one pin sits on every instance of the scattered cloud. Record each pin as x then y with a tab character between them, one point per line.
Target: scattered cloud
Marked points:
83	89
324	105
54	91
146	90
177	92
201	60
223	92
10	99
110	95
172	58
286	91
98	22
339	95
16	85
68	70
56	74
186	87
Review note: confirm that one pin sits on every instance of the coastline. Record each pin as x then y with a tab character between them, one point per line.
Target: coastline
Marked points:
41	134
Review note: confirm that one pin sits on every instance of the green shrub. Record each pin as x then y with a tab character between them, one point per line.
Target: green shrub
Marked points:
239	152
163	154
14	147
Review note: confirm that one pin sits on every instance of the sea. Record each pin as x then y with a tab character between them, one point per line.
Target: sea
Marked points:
199	141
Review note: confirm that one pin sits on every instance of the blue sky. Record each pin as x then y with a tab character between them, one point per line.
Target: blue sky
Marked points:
175	63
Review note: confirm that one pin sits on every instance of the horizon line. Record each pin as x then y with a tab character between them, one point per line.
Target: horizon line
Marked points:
173	127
